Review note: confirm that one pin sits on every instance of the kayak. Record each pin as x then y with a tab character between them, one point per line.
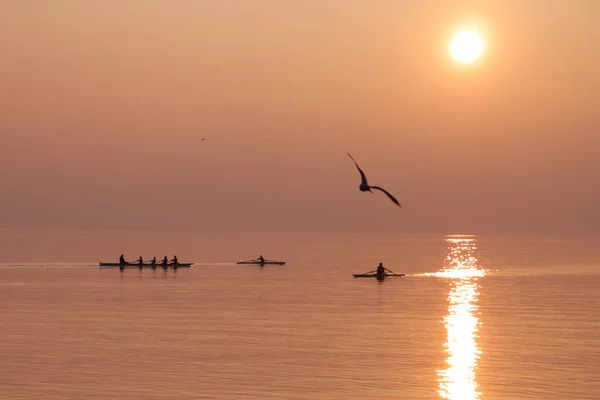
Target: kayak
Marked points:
375	275
129	265
265	262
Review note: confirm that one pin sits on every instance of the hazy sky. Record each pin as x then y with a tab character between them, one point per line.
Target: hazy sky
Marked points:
103	105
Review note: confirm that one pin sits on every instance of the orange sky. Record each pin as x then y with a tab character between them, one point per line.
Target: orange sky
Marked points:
103	105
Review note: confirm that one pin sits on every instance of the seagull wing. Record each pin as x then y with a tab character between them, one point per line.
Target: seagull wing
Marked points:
362	174
392	198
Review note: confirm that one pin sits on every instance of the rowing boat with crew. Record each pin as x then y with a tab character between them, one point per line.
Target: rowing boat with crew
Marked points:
380	273
261	261
147	265
376	275
139	263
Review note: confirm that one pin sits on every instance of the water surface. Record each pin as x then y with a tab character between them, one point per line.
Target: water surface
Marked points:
475	318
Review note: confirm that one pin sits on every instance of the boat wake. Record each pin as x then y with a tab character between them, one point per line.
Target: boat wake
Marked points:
48	265
456	273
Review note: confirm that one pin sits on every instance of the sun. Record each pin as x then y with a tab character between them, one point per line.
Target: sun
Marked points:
466	46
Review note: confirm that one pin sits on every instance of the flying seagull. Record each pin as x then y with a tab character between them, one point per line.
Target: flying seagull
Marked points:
364	186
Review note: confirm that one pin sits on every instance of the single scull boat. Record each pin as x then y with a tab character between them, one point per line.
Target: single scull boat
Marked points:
375	275
264	262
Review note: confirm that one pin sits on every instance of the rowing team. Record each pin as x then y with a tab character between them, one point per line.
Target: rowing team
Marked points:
140	261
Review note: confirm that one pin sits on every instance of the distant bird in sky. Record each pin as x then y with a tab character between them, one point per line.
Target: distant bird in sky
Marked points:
364	186
203	138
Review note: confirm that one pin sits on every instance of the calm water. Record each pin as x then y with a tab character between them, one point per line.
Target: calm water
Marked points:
475	318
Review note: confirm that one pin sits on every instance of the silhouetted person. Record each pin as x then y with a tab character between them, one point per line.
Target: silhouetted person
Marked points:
122	260
174	260
380	269
261	259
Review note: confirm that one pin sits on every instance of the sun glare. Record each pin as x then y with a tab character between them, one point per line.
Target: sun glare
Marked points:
458	380
466	46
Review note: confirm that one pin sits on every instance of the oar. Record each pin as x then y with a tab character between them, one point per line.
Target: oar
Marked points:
392	272
370	272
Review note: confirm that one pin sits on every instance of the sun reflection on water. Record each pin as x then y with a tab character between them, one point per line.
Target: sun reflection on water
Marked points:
458	380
